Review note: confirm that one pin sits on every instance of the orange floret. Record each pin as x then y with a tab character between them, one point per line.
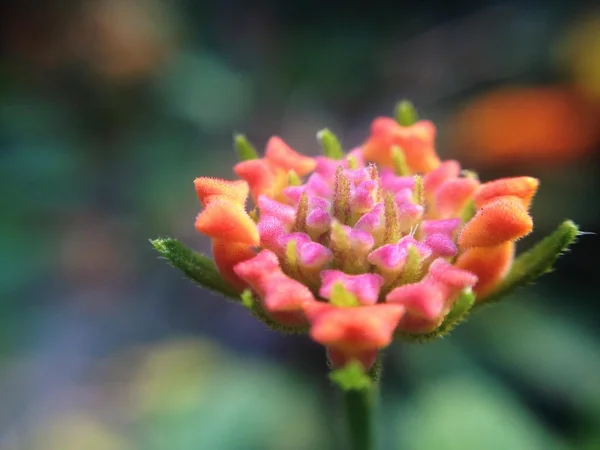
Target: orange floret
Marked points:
416	142
209	189
501	220
446	171
490	264
227	254
357	332
453	195
521	187
279	154
224	219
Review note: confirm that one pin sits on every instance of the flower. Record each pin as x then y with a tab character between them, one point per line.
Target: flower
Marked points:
363	247
555	124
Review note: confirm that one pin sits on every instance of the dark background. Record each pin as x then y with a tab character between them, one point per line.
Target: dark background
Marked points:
110	108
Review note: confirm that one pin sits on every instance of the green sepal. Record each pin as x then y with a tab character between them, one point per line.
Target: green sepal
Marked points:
244	148
293	178
330	144
247	299
376	369
413	267
203	271
466	173
341	297
459	312
351	377
468	211
290	263
197	267
352	162
400	167
406	114
535	262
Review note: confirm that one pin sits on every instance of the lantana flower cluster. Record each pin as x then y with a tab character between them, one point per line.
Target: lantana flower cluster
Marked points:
361	247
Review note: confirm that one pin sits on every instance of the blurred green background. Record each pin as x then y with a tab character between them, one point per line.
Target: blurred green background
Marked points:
110	108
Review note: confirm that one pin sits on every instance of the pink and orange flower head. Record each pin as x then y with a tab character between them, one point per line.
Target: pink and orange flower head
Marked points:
360	248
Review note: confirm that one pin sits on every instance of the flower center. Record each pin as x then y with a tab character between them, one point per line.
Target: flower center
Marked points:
356	219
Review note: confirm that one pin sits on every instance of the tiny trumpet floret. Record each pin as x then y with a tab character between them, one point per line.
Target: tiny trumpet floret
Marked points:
362	247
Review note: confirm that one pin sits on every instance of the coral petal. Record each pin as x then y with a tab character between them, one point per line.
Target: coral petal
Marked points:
447	274
326	167
452	196
371	221
228	254
259	175
384	125
445	226
388	257
408	241
446	171
490	264
379	145
318	221
415	141
521	187
224	219
314	255
501	220
393	182
441	244
364	286
209	189
270	230
423	299
281	155
353	331
256	271
286	295
270	207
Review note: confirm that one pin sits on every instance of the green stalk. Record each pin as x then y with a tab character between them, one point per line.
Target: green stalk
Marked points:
359	407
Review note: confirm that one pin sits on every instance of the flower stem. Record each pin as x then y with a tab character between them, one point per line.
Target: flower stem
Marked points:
359	406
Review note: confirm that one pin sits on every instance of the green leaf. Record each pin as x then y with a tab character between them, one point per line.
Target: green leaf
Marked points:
244	148
351	377
537	261
202	270
330	144
197	267
406	114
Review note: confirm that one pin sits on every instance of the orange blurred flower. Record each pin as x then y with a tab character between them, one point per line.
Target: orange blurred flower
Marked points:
552	124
